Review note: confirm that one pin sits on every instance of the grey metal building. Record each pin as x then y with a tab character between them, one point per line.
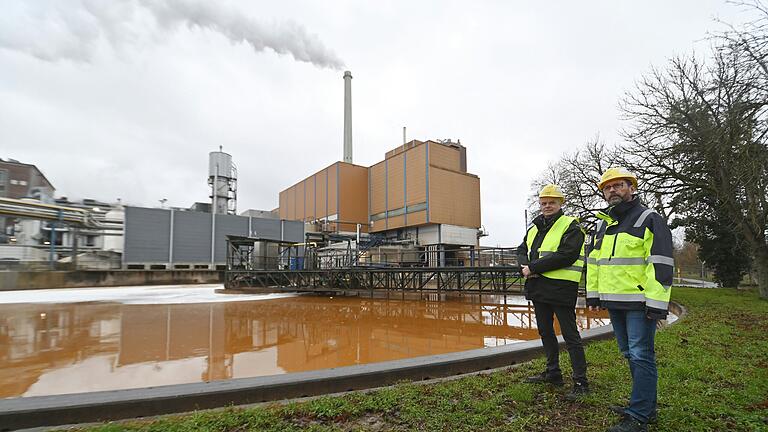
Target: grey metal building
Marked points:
174	239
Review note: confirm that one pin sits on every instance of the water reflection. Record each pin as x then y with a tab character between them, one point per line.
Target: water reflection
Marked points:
77	347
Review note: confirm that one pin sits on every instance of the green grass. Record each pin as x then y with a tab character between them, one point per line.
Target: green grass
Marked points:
713	376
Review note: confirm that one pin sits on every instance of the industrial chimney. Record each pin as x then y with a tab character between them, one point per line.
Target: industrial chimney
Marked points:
348	116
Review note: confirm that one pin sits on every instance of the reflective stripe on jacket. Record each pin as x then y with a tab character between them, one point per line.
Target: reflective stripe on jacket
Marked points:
550	245
630	264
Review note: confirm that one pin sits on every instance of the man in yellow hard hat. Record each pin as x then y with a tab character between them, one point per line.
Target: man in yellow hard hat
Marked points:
552	259
629	272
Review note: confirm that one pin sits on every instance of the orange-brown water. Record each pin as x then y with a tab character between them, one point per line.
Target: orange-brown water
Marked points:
79	347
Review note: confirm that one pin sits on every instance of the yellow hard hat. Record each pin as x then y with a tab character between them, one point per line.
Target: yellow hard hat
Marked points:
616	173
551	191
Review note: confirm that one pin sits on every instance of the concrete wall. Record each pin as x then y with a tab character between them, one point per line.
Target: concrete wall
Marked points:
12	280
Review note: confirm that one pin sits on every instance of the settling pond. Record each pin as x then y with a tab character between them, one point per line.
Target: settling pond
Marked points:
81	340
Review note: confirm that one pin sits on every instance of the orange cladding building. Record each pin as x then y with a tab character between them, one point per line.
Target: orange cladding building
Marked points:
421	190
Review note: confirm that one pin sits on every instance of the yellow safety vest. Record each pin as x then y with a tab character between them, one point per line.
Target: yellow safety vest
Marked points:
550	244
620	267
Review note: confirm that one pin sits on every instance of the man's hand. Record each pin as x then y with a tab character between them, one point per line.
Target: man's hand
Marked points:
526	271
528	274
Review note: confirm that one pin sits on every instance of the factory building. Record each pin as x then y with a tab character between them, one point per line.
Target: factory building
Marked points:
335	198
420	198
423	185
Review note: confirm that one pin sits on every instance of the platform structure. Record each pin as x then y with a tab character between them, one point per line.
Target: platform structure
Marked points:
247	270
469	280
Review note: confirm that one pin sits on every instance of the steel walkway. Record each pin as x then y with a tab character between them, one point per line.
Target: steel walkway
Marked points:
469	280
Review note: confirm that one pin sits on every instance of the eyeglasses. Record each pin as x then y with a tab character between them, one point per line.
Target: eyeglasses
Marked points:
615	186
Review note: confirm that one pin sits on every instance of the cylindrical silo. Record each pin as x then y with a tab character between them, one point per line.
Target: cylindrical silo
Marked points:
222	178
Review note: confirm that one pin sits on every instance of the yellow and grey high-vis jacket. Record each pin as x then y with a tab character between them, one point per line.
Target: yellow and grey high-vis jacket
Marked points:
630	264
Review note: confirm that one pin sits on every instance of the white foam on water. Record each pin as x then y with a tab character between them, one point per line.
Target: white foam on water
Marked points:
157	294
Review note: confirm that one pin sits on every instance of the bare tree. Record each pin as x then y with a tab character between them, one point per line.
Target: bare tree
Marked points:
698	131
578	175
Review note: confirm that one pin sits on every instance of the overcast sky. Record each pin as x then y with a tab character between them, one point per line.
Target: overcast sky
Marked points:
125	98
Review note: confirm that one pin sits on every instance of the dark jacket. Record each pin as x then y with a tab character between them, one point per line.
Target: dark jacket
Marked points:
543	289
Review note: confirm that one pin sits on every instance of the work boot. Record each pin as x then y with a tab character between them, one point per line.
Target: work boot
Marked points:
618	409
544	377
629	424
580	388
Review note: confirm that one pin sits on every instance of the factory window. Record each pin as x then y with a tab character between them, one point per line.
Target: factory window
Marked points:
90	240
413	208
378	216
3	177
396	212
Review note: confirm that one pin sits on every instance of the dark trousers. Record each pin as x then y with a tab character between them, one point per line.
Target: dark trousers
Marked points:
566	316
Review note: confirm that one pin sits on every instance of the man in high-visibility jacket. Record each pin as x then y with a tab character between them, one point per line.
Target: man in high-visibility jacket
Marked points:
629	272
552	260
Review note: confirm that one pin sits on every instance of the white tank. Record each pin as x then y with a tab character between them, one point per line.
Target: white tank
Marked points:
224	163
114	242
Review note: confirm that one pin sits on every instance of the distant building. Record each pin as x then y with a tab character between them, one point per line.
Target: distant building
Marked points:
21	180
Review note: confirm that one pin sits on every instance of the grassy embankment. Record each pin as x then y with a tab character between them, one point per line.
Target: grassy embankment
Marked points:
713	369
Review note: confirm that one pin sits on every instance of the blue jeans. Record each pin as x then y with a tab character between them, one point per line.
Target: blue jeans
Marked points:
634	334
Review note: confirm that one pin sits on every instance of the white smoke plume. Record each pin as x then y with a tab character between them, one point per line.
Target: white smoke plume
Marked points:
54	30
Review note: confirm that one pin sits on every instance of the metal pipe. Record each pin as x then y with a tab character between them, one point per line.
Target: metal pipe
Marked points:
52	239
49	212
213	216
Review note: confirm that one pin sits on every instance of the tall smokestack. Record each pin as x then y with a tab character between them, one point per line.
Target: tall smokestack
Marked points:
348	116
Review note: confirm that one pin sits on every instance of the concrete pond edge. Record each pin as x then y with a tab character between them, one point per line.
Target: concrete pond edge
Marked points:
57	410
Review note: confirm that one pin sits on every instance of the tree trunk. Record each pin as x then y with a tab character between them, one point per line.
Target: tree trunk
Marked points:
761	264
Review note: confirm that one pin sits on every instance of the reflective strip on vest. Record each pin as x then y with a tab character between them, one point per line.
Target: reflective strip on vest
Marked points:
657	304
643	216
620	261
661	259
653	259
622	297
640	298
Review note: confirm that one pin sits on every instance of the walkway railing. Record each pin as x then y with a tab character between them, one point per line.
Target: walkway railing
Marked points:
470	280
